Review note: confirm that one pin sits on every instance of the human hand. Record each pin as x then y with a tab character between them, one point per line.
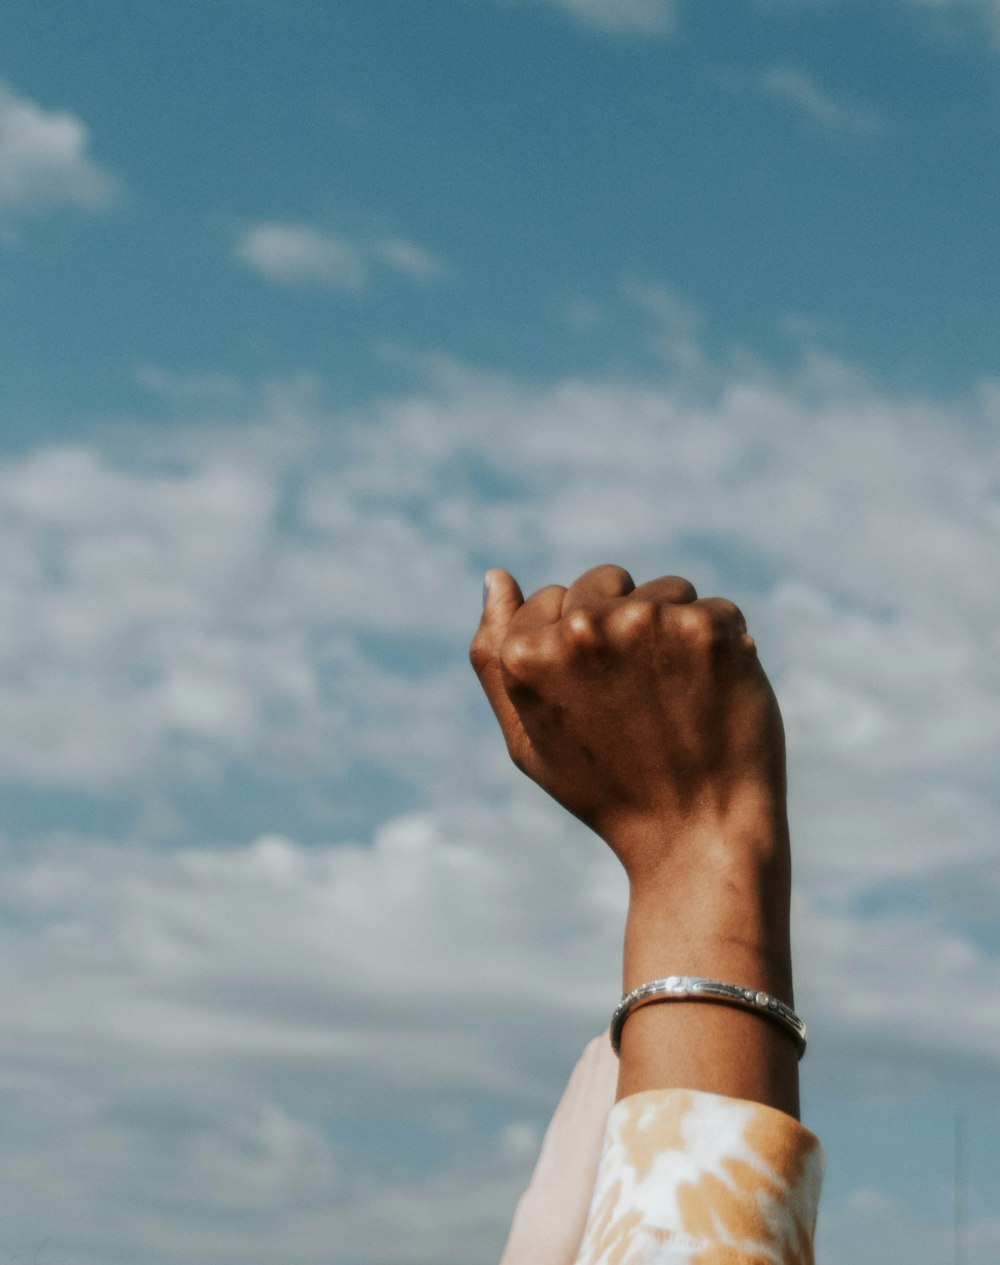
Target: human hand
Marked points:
643	710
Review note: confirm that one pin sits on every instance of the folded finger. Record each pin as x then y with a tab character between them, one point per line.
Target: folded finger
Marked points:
667	588
543	607
597	586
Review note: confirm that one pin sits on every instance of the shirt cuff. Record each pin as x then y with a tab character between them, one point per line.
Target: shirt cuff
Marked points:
687	1176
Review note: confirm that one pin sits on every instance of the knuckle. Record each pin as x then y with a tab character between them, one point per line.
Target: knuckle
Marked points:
612	570
682	590
479	654
730	611
546	594
698	626
524	656
515	653
581	630
636	619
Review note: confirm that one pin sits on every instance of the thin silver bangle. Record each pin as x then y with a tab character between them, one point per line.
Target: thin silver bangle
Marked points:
694	988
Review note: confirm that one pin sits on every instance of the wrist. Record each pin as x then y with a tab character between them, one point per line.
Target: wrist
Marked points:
728	953
727	919
663	846
716	905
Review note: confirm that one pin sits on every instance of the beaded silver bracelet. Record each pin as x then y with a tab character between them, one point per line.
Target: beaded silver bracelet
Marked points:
694	988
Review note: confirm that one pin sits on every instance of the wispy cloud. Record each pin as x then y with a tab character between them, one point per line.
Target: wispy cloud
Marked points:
623	17
301	255
978	10
413	261
970	17
190	388
819	106
44	159
295	254
676	323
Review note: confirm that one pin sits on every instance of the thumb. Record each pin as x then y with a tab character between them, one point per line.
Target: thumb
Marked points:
502	597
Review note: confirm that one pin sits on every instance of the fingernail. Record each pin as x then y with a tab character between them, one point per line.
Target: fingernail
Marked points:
486	590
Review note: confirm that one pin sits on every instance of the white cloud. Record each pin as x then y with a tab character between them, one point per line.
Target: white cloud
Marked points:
949	15
862	1229
584	315
403	935
214	600
677	325
258	595
44	159
977	9
191	388
623	17
296	254
137	551
872	986
204	1030
801	91
415	262
300	255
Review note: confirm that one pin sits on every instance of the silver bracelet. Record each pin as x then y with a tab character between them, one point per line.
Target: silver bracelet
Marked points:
694	988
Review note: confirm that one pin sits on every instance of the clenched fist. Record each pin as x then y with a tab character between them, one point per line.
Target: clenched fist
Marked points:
643	710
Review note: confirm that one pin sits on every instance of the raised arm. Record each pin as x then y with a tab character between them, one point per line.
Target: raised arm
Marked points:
646	713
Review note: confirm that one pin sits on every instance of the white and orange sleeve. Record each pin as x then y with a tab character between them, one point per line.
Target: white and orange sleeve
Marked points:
666	1177
690	1178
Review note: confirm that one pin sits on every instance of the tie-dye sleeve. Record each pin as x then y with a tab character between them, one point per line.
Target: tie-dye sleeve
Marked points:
689	1178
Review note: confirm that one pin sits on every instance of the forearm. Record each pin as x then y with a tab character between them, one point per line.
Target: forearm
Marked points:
718	907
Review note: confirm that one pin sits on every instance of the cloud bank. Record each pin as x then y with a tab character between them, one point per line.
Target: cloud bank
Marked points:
281	1044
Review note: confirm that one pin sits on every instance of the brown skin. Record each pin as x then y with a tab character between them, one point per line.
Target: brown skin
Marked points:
646	713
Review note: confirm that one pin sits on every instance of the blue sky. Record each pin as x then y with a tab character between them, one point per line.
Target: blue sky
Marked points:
311	312
831	161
